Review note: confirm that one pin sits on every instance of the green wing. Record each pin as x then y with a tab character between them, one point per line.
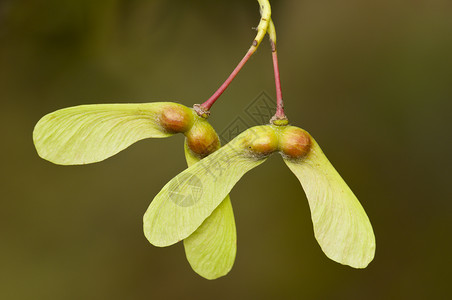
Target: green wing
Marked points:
211	249
189	198
91	133
341	226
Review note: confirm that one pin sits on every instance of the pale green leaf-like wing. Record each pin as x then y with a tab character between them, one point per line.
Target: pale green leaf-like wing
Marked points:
91	133
211	249
189	198
341	225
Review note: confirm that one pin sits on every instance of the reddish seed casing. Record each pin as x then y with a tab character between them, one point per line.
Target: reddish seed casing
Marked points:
295	142
202	139
176	118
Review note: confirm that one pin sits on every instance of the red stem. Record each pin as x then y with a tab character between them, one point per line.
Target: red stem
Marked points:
208	104
279	100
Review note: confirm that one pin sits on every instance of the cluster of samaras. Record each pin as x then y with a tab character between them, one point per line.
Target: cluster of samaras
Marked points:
194	206
91	133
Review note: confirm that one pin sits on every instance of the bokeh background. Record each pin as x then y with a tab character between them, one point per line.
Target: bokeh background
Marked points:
370	80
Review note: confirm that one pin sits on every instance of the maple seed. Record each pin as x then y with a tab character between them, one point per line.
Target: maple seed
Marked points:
202	139
295	142
176	119
263	140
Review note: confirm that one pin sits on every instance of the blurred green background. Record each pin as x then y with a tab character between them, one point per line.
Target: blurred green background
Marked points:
370	80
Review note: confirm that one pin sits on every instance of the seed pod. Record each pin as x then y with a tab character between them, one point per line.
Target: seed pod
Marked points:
176	118
294	142
262	140
211	249
201	139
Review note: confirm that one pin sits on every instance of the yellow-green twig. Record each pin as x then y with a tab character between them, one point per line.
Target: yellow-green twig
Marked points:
266	13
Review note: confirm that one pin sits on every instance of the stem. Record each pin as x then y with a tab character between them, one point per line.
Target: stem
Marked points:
279	99
208	104
265	10
279	118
